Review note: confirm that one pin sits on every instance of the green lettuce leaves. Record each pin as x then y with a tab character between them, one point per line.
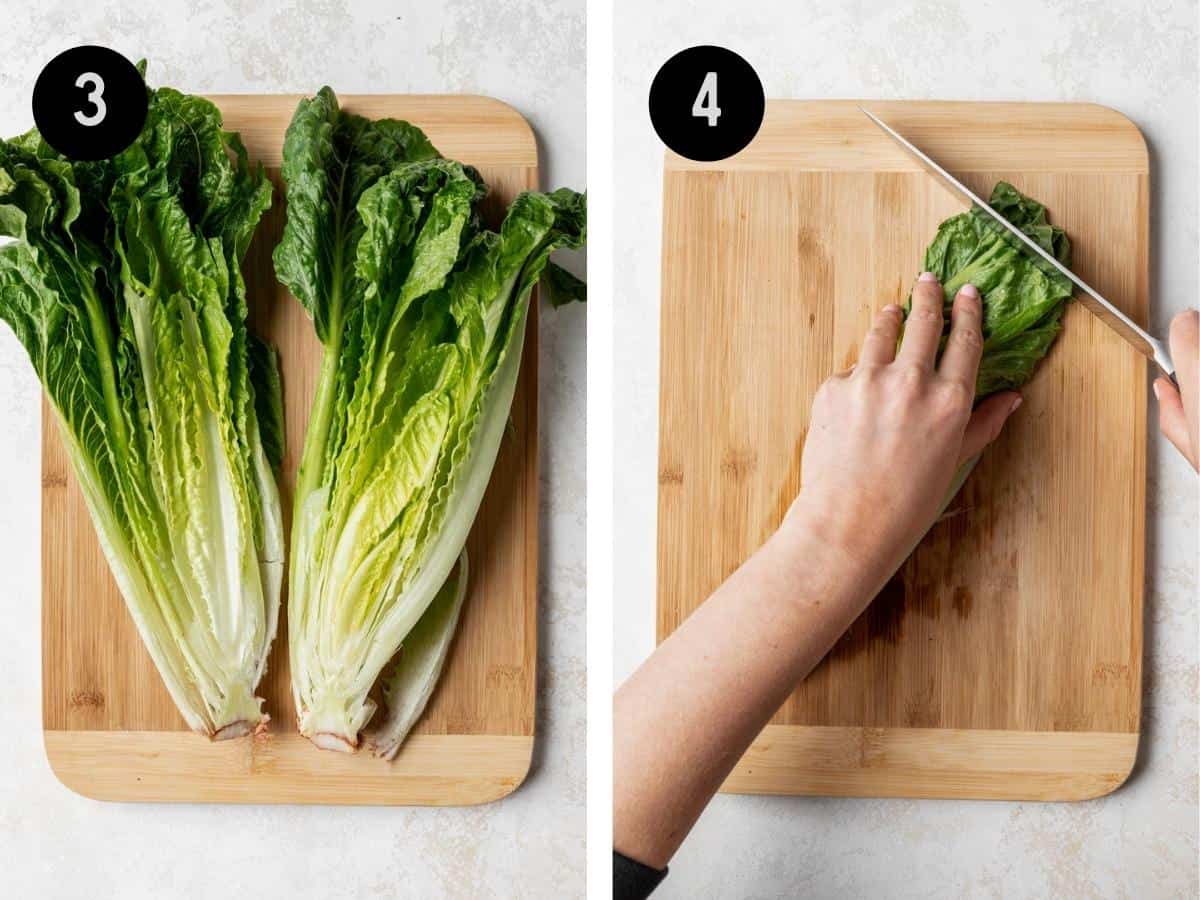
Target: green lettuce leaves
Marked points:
421	311
123	283
1023	297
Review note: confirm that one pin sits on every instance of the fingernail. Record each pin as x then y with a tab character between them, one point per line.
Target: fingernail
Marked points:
1157	390
1016	404
969	290
926	276
892	308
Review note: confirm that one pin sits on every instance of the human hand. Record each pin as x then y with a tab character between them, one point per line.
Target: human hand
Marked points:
886	438
1179	409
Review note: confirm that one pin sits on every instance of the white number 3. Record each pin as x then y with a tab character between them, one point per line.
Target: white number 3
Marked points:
705	104
95	97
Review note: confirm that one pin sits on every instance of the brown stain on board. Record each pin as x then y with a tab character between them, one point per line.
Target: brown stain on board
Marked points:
885	616
914	589
882	620
962	601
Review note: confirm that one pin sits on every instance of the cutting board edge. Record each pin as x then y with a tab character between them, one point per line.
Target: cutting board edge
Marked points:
749	157
935	763
285	769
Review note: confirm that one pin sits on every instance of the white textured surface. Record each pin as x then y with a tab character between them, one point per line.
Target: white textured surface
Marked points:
1138	57
54	844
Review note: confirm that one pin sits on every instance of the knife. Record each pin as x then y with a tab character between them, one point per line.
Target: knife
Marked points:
1136	336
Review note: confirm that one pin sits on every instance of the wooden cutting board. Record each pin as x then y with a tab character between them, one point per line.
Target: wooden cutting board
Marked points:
112	731
1004	660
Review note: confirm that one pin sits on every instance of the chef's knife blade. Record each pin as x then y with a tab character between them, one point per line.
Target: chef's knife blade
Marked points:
1133	334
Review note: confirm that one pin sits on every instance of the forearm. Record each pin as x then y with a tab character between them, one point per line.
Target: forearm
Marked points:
882	445
683	720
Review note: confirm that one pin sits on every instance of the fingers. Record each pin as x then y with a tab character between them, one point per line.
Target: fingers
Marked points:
960	361
986	422
1172	421
923	329
879	347
1185	353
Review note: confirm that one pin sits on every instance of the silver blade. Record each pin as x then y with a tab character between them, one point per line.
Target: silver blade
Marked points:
1134	334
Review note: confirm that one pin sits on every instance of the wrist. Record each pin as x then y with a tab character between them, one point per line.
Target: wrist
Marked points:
850	556
809	586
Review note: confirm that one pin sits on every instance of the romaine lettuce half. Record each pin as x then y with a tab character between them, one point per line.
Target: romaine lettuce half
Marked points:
1023	296
123	284
422	315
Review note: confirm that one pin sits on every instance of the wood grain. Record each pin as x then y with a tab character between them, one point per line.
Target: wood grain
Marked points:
278	767
112	731
934	762
1021	613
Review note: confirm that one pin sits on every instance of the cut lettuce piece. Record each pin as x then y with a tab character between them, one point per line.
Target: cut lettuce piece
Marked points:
123	284
422	315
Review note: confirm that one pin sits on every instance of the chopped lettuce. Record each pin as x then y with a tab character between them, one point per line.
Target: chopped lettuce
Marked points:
421	311
123	284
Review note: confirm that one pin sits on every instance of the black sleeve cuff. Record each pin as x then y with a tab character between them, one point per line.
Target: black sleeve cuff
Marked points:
633	880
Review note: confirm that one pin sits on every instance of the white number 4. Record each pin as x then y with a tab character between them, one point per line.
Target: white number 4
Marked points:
705	104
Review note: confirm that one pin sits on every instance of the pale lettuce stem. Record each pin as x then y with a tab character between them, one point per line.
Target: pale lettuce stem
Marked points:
315	436
982	264
309	479
317	432
101	332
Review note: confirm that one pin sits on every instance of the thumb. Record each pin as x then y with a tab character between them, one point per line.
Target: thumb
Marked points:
986	421
1172	421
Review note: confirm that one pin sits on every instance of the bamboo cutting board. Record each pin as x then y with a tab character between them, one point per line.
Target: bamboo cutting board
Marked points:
112	731
1004	659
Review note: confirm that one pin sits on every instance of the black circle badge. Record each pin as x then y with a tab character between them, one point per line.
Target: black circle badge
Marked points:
89	103
706	103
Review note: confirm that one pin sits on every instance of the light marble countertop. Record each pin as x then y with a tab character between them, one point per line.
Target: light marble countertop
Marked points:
54	844
1139	58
